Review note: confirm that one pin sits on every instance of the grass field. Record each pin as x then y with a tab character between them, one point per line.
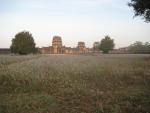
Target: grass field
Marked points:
75	84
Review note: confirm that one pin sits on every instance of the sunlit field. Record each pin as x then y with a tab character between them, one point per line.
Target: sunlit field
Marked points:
75	84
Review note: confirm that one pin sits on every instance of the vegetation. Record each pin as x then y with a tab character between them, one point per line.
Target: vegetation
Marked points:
96	45
106	44
75	84
139	47
23	43
141	8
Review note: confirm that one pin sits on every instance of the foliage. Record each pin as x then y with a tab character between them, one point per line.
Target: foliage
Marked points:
96	45
139	47
106	44
23	43
75	84
141	8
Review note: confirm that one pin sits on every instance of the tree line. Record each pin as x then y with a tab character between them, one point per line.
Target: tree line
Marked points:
23	44
139	48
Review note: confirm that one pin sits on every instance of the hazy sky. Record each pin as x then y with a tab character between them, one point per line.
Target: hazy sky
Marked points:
73	20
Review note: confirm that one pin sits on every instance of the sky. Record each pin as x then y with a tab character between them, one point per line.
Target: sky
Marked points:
73	20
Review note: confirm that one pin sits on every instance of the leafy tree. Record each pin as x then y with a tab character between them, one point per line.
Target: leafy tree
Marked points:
96	46
106	44
23	43
141	8
139	47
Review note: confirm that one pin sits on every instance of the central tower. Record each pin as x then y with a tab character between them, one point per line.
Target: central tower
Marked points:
57	45
81	47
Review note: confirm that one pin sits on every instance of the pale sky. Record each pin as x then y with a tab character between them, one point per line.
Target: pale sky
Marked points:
73	20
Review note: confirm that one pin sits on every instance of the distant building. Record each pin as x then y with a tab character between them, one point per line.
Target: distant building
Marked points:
5	51
45	50
81	47
123	50
58	48
56	45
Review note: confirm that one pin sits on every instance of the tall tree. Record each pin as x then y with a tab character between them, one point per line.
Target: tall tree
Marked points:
23	43
106	44
141	8
96	46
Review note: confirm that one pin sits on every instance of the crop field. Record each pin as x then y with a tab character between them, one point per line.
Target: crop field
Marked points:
75	84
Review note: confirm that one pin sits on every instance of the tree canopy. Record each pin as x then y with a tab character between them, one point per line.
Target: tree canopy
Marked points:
23	43
140	47
96	46
141	8
106	44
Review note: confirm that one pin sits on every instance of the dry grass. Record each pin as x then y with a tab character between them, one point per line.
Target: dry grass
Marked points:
75	84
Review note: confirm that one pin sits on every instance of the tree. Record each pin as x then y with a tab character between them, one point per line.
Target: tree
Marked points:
139	47
106	44
141	8
96	46
23	43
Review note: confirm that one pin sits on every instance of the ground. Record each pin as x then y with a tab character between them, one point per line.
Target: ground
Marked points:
75	84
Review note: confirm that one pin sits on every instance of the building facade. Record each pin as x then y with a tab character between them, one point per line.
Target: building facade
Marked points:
58	48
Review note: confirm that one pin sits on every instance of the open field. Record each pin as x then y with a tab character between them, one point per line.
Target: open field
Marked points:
75	84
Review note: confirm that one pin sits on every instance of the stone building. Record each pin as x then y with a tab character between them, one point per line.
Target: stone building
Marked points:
57	45
58	48
45	50
81	47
